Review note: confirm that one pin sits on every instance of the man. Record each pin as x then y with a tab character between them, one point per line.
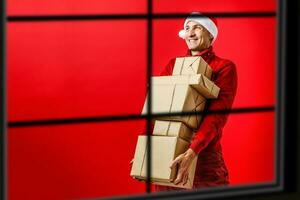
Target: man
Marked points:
199	33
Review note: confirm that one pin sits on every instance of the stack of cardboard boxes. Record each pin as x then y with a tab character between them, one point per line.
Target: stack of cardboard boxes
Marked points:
185	91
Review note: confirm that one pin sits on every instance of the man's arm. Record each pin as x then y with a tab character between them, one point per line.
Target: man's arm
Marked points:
212	123
227	81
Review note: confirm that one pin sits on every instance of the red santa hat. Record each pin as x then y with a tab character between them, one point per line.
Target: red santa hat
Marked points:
207	22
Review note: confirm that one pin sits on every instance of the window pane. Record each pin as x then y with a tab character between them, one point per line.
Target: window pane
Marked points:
73	161
249	148
76	69
67	7
184	6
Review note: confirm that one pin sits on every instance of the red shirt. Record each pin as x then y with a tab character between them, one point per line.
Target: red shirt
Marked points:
211	169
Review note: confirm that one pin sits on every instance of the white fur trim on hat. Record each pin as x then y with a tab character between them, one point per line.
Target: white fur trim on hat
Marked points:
204	21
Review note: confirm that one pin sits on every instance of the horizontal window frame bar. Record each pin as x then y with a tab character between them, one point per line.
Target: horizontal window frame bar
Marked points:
38	18
80	120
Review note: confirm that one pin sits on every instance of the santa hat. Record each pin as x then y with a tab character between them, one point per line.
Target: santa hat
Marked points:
209	23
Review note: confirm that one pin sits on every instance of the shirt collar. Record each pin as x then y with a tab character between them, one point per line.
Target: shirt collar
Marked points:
206	54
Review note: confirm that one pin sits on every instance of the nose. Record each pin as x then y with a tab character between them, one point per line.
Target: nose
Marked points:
190	33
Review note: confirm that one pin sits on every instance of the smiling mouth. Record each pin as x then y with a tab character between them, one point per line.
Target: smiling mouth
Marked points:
192	40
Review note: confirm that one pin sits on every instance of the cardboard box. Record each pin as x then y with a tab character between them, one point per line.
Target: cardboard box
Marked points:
171	98
202	84
191	65
171	128
164	150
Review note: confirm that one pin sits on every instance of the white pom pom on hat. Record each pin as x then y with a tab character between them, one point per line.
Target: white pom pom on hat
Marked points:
209	23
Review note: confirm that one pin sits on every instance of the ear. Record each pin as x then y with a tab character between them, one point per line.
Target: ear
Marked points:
211	38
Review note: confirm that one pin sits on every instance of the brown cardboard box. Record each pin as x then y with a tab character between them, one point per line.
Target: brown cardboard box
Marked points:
164	150
191	65
139	156
171	128
171	98
201	83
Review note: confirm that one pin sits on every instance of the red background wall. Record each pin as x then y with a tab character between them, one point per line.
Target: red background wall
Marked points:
64	69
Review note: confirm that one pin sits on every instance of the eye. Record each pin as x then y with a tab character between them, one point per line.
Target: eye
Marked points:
199	28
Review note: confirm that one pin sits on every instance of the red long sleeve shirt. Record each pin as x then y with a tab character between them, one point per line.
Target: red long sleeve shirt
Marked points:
211	169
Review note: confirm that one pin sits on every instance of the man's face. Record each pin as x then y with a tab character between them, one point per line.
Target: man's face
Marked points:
197	37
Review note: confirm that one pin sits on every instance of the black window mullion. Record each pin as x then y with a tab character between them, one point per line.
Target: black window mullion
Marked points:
149	88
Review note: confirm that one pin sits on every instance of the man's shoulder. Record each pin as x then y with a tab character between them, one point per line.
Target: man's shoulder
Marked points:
223	63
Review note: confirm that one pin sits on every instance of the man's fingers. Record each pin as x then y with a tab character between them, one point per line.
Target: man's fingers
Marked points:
177	160
179	178
179	174
185	178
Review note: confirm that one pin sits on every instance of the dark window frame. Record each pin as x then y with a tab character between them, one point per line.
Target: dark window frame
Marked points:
286	180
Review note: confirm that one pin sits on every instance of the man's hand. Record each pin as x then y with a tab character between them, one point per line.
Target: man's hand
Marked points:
184	161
